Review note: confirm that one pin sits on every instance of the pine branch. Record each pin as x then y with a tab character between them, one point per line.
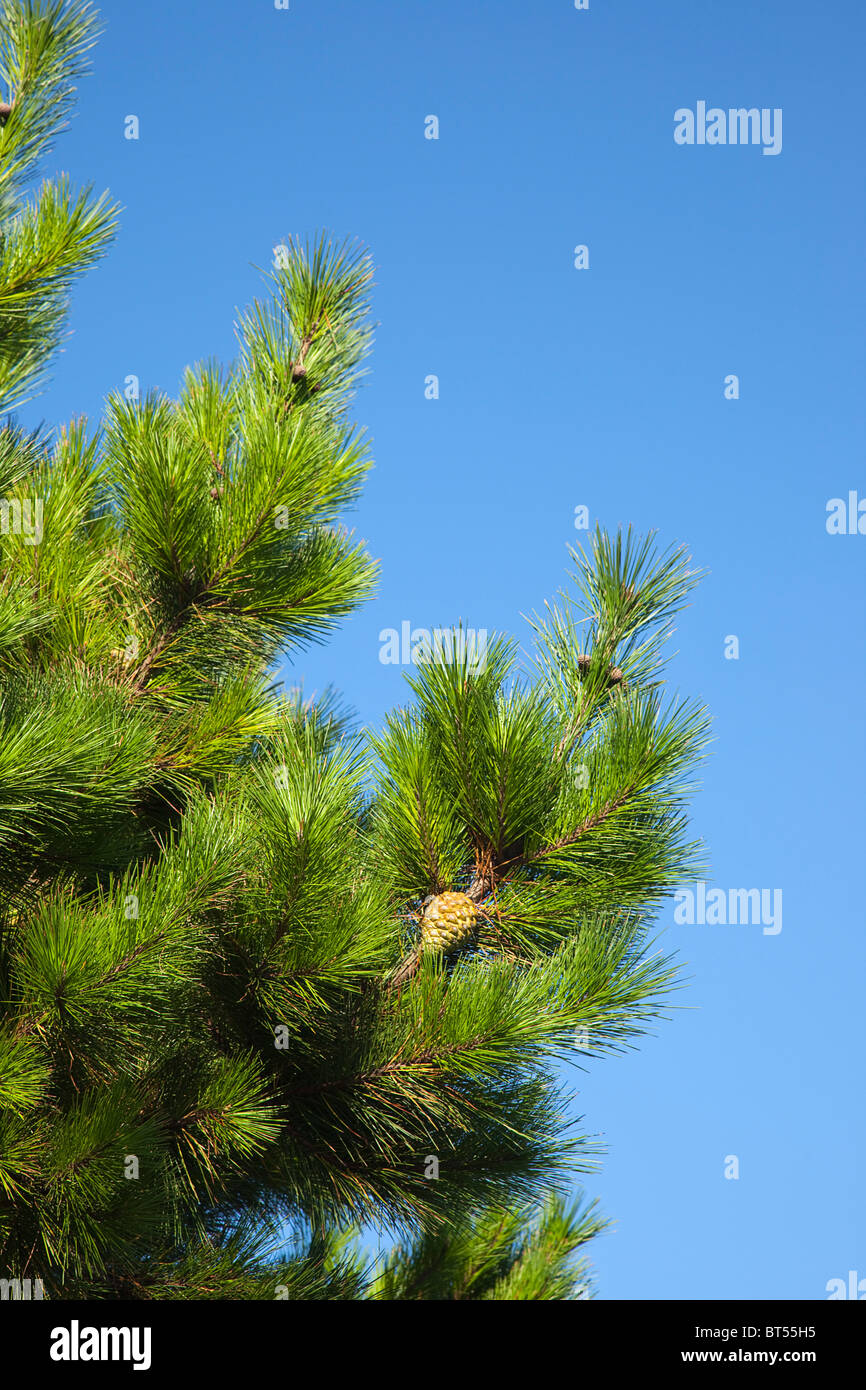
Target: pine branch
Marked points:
46	244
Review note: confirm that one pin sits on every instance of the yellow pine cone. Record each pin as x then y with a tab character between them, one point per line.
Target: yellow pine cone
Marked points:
448	923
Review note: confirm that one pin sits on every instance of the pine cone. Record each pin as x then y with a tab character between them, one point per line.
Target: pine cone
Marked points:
448	926
448	923
614	674
299	371
5	112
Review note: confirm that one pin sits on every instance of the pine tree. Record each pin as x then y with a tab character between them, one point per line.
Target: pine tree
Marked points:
262	973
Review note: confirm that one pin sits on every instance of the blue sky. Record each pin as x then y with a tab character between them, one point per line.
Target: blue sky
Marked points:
561	387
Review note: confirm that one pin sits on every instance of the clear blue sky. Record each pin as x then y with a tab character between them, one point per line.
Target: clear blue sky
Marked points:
559	387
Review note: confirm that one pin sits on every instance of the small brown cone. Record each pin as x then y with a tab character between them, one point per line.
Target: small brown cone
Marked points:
614	674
